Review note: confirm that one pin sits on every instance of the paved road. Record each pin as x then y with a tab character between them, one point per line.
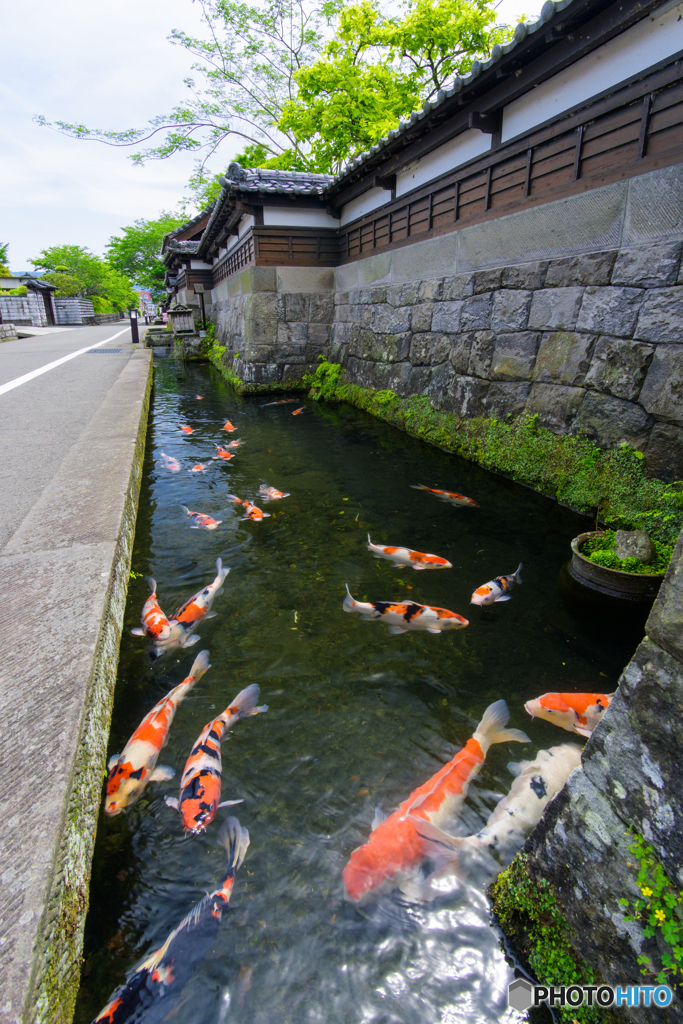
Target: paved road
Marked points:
40	420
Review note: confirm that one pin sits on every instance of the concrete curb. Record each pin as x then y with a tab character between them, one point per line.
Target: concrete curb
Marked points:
63	585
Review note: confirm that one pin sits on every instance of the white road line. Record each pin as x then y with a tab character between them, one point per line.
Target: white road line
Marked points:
50	366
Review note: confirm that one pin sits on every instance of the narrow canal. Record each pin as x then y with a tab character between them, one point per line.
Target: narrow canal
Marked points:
357	718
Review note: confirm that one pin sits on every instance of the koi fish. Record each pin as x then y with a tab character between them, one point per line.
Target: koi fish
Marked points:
297	412
252	512
575	712
185	429
199	468
229	427
233	444
514	817
201	521
166	971
131	770
280	401
394	851
199	605
200	785
200	398
171	464
450	496
495	590
223	453
400	618
155	625
271	493
401	557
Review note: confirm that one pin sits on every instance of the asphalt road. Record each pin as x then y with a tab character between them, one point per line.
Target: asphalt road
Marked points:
42	418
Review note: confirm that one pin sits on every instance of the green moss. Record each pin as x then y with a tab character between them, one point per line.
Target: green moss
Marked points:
600	549
532	919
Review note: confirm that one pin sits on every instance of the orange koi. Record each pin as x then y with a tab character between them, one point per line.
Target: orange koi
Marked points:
200	398
280	401
185	429
229	427
271	493
223	453
201	521
252	512
234	444
451	496
200	785
166	971
496	590
297	412
155	625
131	770
199	468
401	618
575	712
199	605
401	557
171	464
394	851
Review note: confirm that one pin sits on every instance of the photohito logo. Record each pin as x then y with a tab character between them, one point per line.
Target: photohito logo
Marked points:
522	994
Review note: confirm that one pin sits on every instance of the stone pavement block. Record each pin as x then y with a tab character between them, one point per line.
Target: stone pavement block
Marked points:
662	392
653	266
557	405
660	319
510	310
593	268
618	367
609	421
555	309
664	452
610	311
665	624
514	356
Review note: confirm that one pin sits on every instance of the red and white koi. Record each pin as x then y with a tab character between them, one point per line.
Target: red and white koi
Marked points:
131	770
402	557
496	590
200	398
155	625
405	617
252	512
199	605
166	972
199	468
185	429
280	401
228	426
575	712
394	851
223	453
200	521
233	444
450	496
297	412
271	493
171	464
200	785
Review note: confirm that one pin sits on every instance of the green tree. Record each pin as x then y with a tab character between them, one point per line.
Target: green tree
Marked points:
135	252
4	267
77	271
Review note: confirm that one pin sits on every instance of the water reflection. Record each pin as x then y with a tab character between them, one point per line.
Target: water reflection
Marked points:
357	718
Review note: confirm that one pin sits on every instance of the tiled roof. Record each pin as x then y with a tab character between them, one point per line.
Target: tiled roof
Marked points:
185	247
293	183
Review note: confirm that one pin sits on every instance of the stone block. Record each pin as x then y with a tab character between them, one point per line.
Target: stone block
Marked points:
654	209
665	624
480	345
440	384
267	306
610	311
260	373
661	317
384	348
461	346
618	367
429	349
409	294
555	309
423	261
391	319
510	310
292	333
318	341
525	275
374	268
368	374
664	452
593	268
308	279
514	356
394	295
609	421
487	280
376	295
652	266
259	279
447	316
296	307
259	334
346	276
422	317
467	397
563	357
419	380
398	379
430	291
506	400
662	392
461	286
321	309
342	312
557	405
476	312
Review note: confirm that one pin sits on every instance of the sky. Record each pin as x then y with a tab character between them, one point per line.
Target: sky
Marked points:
103	65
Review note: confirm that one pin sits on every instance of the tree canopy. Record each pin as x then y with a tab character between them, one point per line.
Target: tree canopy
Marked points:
306	84
135	252
74	270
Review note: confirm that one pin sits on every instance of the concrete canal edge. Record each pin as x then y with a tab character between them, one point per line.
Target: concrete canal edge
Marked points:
63	590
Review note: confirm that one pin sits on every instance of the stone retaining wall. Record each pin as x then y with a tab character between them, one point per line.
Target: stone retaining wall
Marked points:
8	332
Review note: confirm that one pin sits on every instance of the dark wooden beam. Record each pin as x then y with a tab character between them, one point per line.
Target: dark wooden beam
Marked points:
388	182
489	124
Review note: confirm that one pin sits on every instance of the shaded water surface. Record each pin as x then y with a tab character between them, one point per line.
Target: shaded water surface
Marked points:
357	718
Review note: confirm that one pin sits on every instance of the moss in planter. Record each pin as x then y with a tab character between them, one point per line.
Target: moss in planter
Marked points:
600	549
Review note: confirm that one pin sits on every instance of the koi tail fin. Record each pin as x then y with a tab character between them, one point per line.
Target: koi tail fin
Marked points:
244	705
518	577
419	487
348	600
220	571
235	840
492	728
152	584
186	510
234	499
200	665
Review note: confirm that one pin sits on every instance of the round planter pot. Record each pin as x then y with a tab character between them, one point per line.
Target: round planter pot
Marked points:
630	586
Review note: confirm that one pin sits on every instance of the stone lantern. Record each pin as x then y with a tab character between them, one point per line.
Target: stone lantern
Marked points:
182	319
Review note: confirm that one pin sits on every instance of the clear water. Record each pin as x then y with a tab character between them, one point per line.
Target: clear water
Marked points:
357	718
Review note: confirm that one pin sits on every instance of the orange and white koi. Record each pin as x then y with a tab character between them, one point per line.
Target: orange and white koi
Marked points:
297	412
185	429
199	605
200	520
155	625
575	712
228	426
171	464
223	453
271	493
280	401
252	512
131	770
450	496
402	557
233	444
405	617
200	398
394	851
496	590
148	990
199	468
200	785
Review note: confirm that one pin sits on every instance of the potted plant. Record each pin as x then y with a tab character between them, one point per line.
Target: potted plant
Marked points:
622	563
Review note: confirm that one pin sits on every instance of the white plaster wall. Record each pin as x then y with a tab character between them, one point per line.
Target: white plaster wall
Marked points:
369	201
651	40
293	218
244	225
199	265
458	151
